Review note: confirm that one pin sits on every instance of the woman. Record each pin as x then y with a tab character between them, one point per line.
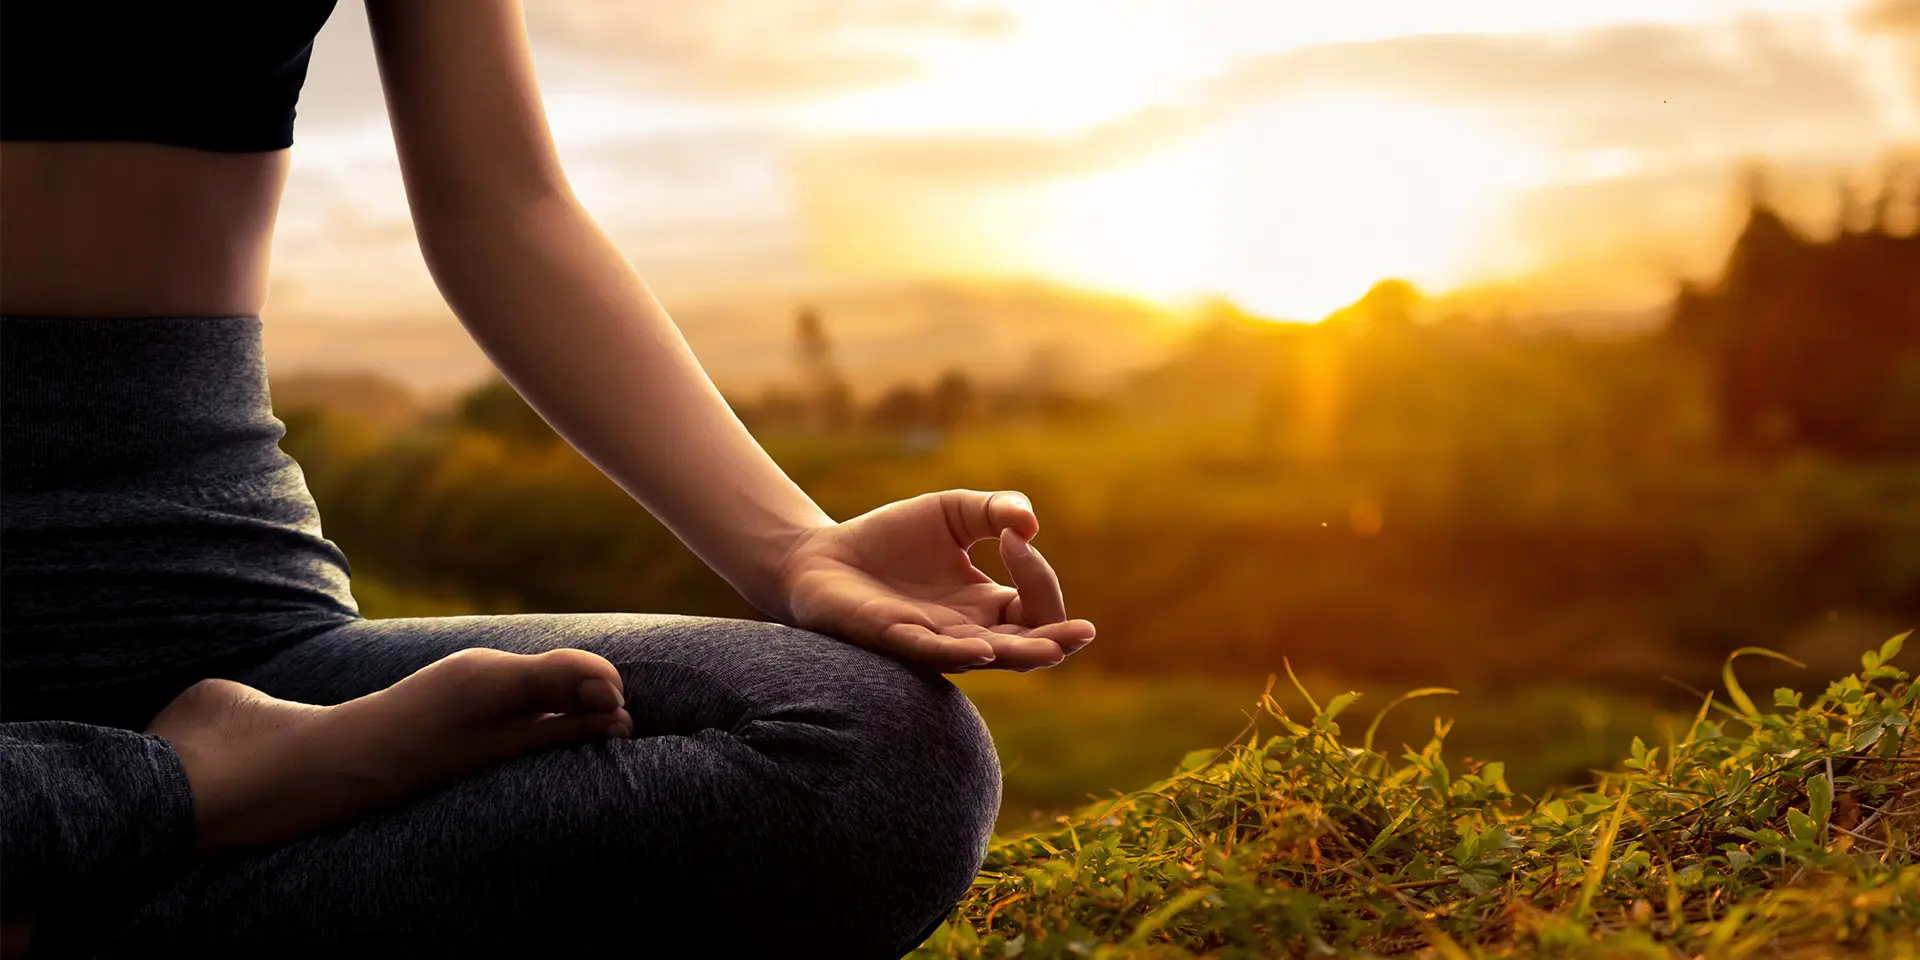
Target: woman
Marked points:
207	750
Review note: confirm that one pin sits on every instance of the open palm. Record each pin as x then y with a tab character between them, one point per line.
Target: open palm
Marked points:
898	579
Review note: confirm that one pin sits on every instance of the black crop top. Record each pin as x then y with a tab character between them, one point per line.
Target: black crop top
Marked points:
212	74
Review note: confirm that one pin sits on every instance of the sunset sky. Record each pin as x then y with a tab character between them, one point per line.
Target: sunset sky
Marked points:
1281	153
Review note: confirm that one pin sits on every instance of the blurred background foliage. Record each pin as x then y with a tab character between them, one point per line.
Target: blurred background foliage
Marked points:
1586	523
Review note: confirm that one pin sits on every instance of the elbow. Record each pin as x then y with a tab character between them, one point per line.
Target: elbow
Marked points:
472	240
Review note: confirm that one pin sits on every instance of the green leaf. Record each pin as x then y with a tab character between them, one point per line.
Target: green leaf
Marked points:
1891	648
1820	799
1195	759
1739	696
1802	828
1340	703
1388	833
1497	838
1868	736
1494	772
1467	850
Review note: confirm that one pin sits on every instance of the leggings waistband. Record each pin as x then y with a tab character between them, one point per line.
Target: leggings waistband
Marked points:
86	400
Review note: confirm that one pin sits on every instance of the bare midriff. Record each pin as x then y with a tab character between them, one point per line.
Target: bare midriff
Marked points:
135	229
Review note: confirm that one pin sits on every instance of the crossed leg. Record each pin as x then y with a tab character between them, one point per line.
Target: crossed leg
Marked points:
784	793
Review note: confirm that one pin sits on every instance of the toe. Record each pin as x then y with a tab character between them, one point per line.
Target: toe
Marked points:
568	681
557	681
555	729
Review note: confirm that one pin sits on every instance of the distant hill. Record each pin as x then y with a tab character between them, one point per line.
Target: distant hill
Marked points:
373	396
912	332
882	335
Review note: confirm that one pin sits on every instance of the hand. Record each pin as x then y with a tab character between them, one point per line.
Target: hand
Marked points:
898	580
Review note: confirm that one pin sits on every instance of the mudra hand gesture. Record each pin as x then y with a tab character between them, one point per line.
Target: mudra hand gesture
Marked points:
898	579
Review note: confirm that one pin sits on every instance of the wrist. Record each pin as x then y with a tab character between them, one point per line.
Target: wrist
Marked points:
770	588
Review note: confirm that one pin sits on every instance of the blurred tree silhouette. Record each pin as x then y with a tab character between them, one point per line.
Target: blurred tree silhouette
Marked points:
1379	495
1389	306
1811	342
950	401
832	400
899	409
497	408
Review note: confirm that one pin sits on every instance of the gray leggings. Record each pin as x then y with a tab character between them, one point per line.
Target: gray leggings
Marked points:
785	793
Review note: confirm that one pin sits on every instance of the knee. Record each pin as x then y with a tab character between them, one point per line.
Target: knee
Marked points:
907	730
927	792
933	750
960	793
887	783
908	769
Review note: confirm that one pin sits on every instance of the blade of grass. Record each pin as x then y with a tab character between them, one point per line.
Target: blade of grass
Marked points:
1602	853
1739	696
1157	919
1297	685
1374	727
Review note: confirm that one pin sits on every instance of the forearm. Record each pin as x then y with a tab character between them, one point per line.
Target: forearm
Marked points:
572	326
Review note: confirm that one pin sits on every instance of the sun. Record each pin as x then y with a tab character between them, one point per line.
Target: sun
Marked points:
1291	211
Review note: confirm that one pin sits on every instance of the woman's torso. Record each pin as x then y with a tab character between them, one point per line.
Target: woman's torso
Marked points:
135	229
142	152
154	531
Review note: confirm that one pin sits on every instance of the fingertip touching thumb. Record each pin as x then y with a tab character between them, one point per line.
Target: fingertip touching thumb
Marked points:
1016	513
1013	545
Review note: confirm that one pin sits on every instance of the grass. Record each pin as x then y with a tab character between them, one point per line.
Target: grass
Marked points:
1071	735
1782	832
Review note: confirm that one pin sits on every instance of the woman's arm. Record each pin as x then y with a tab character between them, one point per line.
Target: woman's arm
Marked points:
555	306
564	317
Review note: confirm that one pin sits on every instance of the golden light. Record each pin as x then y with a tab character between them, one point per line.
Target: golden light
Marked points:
1324	197
1292	211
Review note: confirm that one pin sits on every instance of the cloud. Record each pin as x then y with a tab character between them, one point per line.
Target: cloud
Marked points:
1892	16
342	87
1900	21
714	48
761	47
962	158
1754	86
1637	87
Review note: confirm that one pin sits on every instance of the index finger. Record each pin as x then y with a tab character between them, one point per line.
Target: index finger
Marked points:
1041	601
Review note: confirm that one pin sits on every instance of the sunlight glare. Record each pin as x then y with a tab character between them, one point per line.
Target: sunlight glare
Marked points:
1328	195
1291	211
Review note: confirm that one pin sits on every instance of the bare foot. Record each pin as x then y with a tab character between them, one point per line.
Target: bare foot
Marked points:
265	771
